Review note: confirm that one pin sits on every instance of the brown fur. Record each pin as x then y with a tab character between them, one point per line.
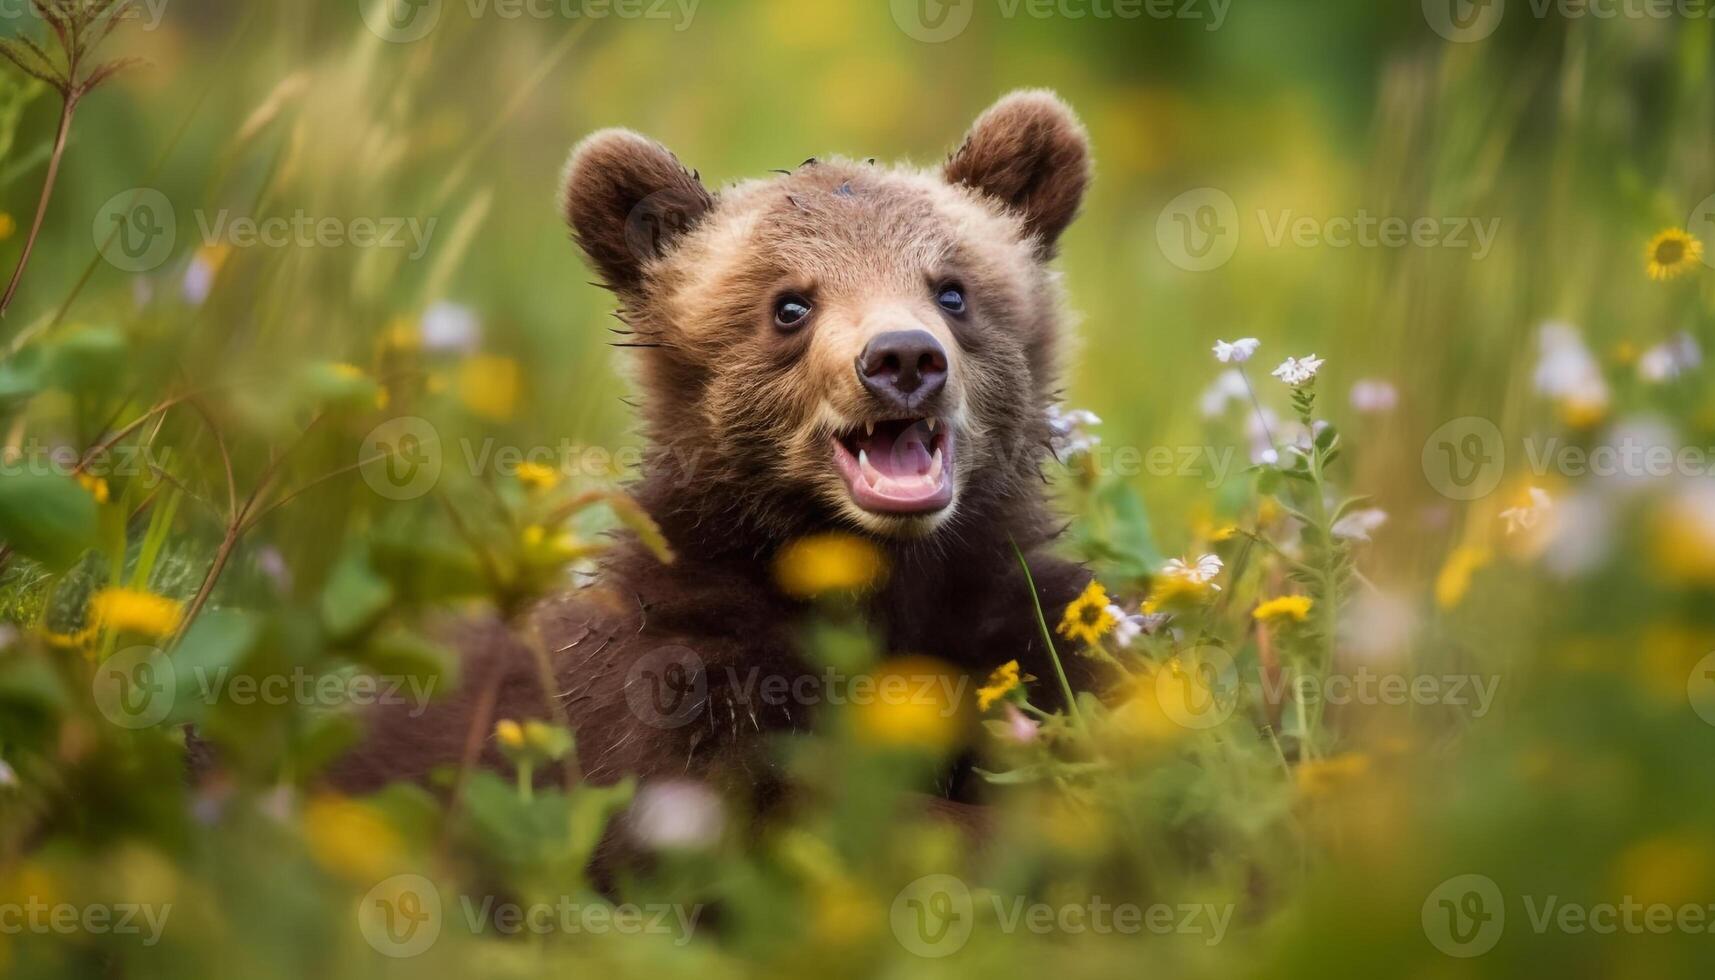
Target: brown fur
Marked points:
738	414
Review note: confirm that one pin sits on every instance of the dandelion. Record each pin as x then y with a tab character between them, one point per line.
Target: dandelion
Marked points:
1067	435
488	386
1357	525
1669	359
350	839
1523	516
509	734
536	476
1454	579
1295	608
1299	372
1237	352
96	486
1002	681
1671	254
824	564
928	719
1088	618
134	611
1373	397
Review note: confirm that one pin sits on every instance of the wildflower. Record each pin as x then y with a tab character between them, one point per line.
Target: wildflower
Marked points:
1180	584
1318	777
488	386
926	719
678	814
450	328
1525	514
1229	386
1127	628
509	734
1357	525
1237	352
1298	373
1202	573
1088	618
1371	396
1567	372
8	775
1020	727
350	838
535	476
134	611
1670	359
1066	431
1683	536
401	335
1002	681
200	275
1671	254
1455	577
96	486
829	563
8	225
1287	607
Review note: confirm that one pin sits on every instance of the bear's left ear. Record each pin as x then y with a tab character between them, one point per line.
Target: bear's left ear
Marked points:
628	199
1030	153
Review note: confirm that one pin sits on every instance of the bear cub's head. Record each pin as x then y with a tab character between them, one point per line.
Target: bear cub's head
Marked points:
845	343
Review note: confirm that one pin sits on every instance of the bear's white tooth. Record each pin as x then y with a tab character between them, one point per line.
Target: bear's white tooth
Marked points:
869	428
871	475
935	466
931	421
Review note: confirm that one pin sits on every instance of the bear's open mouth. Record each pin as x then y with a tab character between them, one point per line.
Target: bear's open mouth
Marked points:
897	466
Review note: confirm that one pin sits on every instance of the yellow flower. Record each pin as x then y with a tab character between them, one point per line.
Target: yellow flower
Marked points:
8	226
488	386
1455	578
1318	777
96	486
535	476
1002	682
829	563
1673	869
912	707
1583	413
1293	607
1224	533
402	334
346	371
134	611
1671	254
349	838
1088	617
509	733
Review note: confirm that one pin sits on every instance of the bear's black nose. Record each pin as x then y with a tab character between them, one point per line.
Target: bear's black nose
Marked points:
903	368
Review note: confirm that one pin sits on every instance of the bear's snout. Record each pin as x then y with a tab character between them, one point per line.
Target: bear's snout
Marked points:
904	369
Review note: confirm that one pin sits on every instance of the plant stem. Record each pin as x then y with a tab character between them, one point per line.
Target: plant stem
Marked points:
67	108
1048	638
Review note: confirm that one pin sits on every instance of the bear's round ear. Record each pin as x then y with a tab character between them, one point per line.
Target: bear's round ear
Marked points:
627	199
1030	153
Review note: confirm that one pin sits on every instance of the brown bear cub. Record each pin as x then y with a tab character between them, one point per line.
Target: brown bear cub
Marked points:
845	347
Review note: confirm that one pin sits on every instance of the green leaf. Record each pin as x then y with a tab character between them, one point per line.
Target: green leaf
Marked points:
89	359
355	596
47	517
21	376
211	651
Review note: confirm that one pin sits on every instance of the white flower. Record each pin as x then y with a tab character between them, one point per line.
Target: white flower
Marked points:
1228	387
1066	431
1670	359
1019	726
1126	627
1237	352
1525	516
677	814
1202	573
1357	525
1374	396
1567	370
1296	372
449	327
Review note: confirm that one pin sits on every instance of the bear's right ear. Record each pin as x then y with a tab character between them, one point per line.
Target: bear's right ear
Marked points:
627	199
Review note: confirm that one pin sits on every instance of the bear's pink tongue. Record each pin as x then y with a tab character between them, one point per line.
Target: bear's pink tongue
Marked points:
898	454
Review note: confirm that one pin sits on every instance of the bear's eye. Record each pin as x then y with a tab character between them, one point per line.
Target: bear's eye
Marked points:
790	311
952	298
